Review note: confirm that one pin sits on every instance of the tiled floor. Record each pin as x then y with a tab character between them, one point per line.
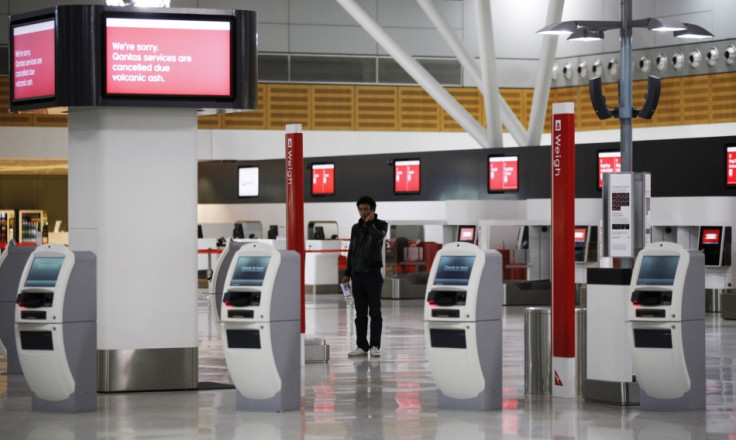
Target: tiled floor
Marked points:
389	397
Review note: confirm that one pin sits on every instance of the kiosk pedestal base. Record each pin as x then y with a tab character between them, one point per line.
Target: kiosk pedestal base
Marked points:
611	393
278	346
693	347
465	359
80	346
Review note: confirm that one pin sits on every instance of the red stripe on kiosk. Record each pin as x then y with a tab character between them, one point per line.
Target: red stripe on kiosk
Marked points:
295	200
563	248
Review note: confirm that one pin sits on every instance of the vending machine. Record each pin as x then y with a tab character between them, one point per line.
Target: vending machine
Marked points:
7	227
33	221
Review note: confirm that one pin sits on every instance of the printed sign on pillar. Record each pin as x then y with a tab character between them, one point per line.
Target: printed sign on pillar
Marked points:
563	249
295	198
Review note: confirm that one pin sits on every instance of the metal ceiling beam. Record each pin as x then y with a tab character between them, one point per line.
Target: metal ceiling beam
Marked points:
508	117
544	76
488	71
418	73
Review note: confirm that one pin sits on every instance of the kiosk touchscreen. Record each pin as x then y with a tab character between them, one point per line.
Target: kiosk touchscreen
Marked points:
55	328
12	262
262	327
462	315
667	322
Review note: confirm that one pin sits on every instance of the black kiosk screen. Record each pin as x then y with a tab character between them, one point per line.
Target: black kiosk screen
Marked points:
454	270
44	271
250	271
658	270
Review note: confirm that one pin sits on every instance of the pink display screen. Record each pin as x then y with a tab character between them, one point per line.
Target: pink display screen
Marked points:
467	234
731	166
711	236
323	179
165	57
579	234
34	61
407	177
503	173
608	162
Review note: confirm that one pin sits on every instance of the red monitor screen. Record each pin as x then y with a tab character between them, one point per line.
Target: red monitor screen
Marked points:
608	162
711	236
323	179
466	234
580	234
503	173
34	61
407	177
731	166
165	57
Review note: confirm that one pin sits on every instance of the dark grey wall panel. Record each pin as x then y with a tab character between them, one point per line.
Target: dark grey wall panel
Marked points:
680	168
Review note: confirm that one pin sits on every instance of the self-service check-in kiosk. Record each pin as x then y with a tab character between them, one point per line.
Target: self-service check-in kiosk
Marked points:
55	328
667	322
12	262
462	315
262	327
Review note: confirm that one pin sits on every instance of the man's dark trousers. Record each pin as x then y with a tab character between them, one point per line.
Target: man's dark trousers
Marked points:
367	296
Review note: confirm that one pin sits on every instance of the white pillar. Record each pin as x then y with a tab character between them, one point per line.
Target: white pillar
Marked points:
133	202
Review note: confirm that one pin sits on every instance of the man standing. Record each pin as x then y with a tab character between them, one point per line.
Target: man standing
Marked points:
365	260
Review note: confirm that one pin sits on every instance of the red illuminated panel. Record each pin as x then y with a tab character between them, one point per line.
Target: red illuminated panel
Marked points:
34	68
711	236
323	179
167	57
467	235
731	166
608	162
503	173
580	234
407	176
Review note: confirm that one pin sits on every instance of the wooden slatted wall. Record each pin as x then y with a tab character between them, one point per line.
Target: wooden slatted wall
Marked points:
417	110
376	108
689	100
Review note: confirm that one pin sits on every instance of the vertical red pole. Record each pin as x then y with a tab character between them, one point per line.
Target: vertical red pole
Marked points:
295	200
563	249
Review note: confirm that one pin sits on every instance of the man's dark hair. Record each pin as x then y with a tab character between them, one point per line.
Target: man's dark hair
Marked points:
366	200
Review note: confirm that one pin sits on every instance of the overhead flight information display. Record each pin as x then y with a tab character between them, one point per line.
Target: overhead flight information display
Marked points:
608	162
407	176
323	179
151	56
503	173
34	60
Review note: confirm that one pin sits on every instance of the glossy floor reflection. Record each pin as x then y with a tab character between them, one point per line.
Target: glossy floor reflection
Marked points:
388	397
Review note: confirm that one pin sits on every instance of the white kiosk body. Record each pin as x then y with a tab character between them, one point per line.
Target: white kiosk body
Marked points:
462	316
667	322
219	275
55	328
262	327
12	262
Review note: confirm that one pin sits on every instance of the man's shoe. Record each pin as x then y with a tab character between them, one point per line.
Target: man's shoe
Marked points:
375	351
357	353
